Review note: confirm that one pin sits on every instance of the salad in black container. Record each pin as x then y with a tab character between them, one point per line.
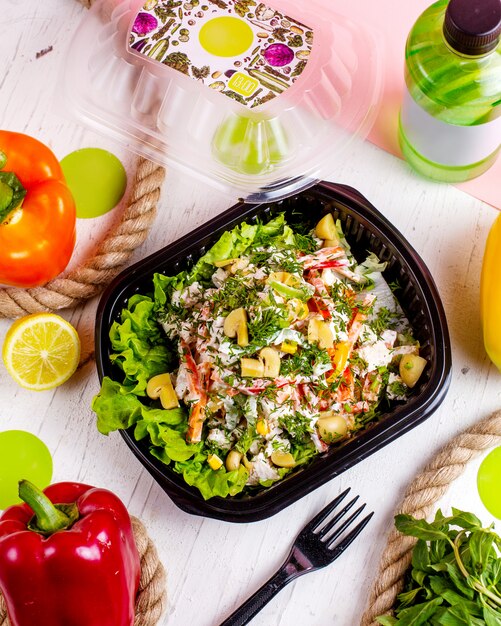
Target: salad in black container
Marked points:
269	350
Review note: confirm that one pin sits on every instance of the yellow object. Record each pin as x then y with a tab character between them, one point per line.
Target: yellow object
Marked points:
340	358
252	368
298	310
279	277
168	397
326	228
331	426
243	84
289	346
271	360
214	461
243	335
247	464
262	427
225	262
41	351
155	384
490	294
235	325
410	368
330	243
233	460
226	36
286	278
320	332
160	386
282	459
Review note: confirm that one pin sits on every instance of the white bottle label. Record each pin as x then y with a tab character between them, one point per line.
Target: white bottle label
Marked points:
448	144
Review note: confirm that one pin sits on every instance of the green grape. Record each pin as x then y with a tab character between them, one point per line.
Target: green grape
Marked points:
22	455
489	482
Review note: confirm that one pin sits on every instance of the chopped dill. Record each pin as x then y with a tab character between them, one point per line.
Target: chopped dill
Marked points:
306	243
384	319
266	323
303	361
395	286
297	425
233	294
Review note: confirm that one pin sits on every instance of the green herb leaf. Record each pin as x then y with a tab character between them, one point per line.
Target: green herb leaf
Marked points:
481	548
421	556
459	616
491	617
443	588
459	580
456	571
408	597
418	614
462	519
419	528
387	620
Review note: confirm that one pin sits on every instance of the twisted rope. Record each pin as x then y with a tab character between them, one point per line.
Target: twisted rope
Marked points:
421	496
112	254
151	597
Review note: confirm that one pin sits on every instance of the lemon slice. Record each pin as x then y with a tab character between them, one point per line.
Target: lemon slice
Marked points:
41	351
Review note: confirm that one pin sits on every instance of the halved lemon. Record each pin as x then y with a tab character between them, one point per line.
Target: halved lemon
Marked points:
41	351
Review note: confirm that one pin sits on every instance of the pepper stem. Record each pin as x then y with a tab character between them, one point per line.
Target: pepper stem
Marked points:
12	194
48	518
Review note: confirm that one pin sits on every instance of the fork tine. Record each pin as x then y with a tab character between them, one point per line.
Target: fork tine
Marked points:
352	535
339	531
319	517
322	532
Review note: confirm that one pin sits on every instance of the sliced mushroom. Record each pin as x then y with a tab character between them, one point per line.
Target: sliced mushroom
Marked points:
271	360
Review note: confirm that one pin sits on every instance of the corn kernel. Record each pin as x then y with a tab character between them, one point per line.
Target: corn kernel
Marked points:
214	461
262	427
289	346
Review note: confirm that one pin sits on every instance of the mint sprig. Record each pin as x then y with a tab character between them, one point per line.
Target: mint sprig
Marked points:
455	575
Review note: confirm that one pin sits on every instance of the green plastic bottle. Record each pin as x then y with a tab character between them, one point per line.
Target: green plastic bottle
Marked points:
450	121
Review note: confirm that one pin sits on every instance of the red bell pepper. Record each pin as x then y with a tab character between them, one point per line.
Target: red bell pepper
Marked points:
74	563
323	265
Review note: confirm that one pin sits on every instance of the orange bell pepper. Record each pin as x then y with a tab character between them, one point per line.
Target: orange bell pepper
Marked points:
37	213
490	294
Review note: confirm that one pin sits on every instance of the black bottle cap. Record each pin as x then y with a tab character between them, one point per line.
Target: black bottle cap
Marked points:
473	27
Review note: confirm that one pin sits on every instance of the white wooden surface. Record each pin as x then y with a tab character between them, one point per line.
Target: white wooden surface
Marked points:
213	566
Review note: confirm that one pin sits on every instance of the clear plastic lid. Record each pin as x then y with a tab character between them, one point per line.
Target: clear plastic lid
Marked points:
254	97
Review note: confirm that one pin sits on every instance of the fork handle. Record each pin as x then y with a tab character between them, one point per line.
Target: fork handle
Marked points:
258	600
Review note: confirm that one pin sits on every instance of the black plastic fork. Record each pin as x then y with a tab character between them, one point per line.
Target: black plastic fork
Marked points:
315	547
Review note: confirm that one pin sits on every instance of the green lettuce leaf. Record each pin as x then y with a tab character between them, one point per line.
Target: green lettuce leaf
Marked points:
212	483
236	242
115	407
164	286
118	408
139	344
230	246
